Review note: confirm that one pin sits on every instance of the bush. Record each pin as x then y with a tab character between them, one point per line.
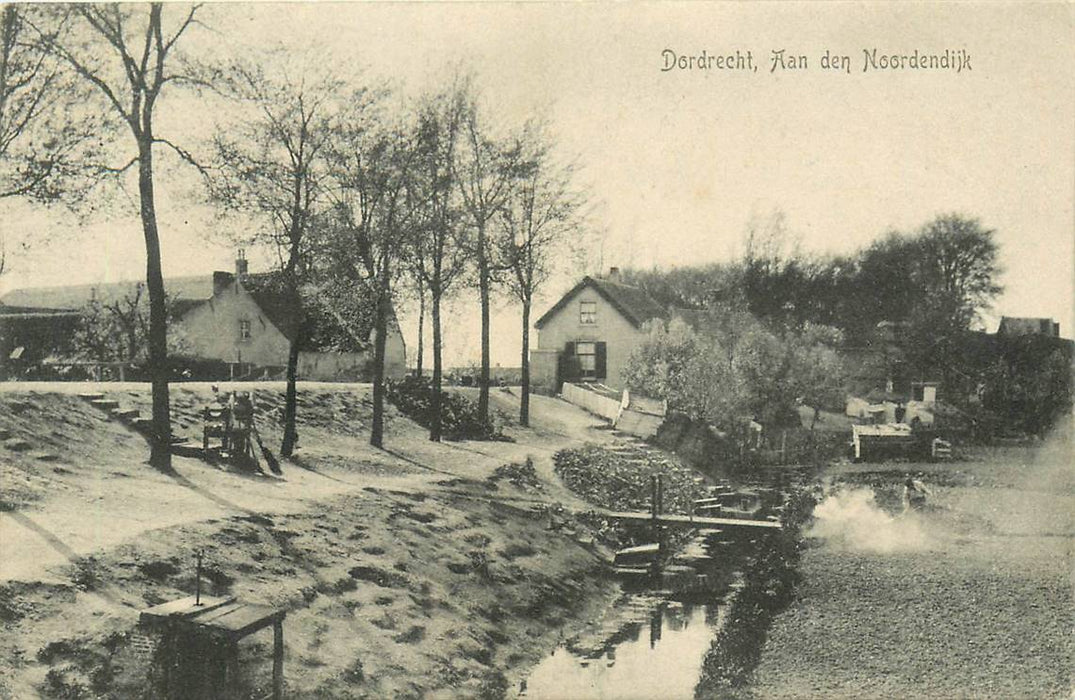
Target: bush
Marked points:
617	481
413	396
522	475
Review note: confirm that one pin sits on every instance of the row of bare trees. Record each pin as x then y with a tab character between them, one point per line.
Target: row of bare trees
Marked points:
365	196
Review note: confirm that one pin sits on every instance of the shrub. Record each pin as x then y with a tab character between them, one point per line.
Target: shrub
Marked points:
522	475
413	396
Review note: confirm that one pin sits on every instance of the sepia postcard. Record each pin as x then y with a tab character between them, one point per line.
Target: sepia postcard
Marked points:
548	350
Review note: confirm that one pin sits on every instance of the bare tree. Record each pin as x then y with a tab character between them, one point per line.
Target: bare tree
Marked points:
44	123
273	165
537	219
369	230
440	250
485	170
127	54
116	329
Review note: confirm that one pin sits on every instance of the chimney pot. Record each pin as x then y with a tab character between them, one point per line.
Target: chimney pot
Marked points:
240	263
614	274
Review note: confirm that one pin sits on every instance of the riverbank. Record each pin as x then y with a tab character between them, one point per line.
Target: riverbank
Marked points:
748	578
969	598
437	593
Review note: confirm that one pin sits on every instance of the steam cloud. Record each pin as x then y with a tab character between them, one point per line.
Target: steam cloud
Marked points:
850	518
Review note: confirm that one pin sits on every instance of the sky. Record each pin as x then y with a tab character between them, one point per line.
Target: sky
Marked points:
679	161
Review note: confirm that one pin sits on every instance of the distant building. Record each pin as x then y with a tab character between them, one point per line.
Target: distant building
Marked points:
39	324
28	334
235	318
588	335
1016	326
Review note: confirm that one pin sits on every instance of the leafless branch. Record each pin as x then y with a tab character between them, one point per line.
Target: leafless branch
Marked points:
185	155
120	170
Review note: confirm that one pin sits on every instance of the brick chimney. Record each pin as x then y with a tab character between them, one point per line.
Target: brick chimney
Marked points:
613	274
240	264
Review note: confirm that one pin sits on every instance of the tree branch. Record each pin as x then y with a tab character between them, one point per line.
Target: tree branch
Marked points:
83	70
120	170
185	155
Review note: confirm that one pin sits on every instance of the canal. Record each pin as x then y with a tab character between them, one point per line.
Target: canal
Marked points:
652	642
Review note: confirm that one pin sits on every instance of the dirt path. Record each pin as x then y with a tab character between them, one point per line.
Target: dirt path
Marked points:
100	498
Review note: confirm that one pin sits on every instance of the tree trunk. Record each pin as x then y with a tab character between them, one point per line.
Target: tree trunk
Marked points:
524	399
483	287
160	455
291	278
291	433
421	328
380	340
434	402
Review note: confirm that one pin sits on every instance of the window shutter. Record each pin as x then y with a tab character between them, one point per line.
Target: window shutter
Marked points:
600	361
565	367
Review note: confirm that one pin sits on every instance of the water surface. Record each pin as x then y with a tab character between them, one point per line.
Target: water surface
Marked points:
656	658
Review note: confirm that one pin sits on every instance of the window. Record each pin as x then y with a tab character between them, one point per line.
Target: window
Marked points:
587	354
244	329
585	360
588	312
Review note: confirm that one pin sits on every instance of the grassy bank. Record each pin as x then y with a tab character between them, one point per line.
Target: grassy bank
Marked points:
389	594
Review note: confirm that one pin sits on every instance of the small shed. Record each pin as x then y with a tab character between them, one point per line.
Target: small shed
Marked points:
877	442
200	645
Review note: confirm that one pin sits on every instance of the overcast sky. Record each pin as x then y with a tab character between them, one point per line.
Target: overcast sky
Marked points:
682	159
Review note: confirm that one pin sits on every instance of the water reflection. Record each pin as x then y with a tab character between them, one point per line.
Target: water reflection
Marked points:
664	663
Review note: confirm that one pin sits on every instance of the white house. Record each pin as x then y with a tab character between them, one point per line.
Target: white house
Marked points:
588	335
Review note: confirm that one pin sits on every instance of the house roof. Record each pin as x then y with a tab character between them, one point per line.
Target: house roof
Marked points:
7	311
633	303
331	331
272	298
327	328
191	288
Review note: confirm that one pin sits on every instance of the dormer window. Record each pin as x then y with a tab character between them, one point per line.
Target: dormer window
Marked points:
588	313
244	329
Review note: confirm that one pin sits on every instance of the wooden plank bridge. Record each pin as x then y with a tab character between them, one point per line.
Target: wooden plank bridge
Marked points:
690	520
655	516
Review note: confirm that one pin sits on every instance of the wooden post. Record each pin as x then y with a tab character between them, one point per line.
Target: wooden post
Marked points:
231	668
278	659
198	579
660	510
660	494
166	656
655	512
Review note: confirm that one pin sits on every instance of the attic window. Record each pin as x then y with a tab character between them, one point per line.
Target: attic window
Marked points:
244	329
588	312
